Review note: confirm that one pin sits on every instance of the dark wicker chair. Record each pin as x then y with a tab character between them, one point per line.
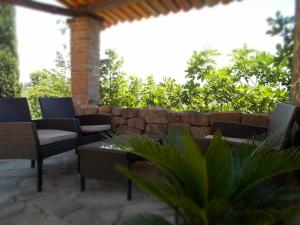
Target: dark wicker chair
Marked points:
92	126
22	138
282	122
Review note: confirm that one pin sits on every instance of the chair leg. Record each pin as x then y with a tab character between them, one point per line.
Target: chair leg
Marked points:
82	183
39	174
78	163
33	163
129	185
129	189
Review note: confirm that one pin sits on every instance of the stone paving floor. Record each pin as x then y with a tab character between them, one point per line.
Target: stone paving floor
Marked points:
62	202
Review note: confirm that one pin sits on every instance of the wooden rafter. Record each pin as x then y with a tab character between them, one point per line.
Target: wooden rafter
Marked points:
111	12
109	4
170	5
159	6
50	8
199	3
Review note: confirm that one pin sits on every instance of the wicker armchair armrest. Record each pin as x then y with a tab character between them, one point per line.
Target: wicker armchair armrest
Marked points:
18	140
68	124
238	130
94	119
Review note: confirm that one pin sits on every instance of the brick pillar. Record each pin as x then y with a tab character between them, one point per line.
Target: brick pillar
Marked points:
84	58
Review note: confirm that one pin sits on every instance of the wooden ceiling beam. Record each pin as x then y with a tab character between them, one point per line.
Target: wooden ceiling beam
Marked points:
132	12
109	4
198	3
158	6
108	18
149	8
122	15
141	10
50	8
184	4
171	5
112	15
211	3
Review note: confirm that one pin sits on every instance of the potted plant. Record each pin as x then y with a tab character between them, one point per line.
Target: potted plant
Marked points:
220	186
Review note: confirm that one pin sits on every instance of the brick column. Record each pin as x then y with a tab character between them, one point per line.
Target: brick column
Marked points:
84	58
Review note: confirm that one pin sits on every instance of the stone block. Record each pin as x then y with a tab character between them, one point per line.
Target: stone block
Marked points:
196	118
138	123
154	129
154	116
200	131
256	119
117	120
174	117
185	117
104	109
124	129
79	111
116	111
130	113
87	110
225	117
183	126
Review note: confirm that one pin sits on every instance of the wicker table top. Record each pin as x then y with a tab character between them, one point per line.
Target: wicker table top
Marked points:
105	146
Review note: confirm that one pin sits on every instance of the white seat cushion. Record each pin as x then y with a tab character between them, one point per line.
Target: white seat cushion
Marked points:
52	136
95	128
230	139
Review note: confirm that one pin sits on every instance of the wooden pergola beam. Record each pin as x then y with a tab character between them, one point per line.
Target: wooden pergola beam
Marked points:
109	4
50	8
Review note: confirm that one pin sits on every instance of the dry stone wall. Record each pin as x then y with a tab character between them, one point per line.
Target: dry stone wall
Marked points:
149	121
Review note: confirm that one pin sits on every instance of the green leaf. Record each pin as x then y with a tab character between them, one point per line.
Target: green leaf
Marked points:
219	167
195	177
156	187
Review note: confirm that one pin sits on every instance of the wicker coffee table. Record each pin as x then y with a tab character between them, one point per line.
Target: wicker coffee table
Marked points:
99	160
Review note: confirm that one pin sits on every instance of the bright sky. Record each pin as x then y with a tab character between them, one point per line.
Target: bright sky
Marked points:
159	46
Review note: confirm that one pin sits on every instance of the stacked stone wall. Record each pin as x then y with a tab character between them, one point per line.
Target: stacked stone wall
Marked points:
149	121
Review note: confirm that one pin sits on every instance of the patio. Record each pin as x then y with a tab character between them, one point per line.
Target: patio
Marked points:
62	202
103	202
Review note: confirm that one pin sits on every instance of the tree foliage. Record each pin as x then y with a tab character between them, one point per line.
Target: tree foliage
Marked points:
283	26
253	81
9	72
45	84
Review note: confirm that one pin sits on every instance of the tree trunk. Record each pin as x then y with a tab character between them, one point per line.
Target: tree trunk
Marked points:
295	90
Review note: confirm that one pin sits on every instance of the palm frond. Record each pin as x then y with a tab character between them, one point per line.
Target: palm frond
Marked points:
194	178
265	166
165	157
268	195
241	153
223	186
173	161
252	216
158	188
191	212
219	168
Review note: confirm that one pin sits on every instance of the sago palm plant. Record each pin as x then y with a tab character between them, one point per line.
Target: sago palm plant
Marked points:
220	186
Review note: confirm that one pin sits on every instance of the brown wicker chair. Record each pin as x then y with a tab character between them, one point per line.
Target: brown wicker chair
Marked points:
22	138
92	126
282	121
